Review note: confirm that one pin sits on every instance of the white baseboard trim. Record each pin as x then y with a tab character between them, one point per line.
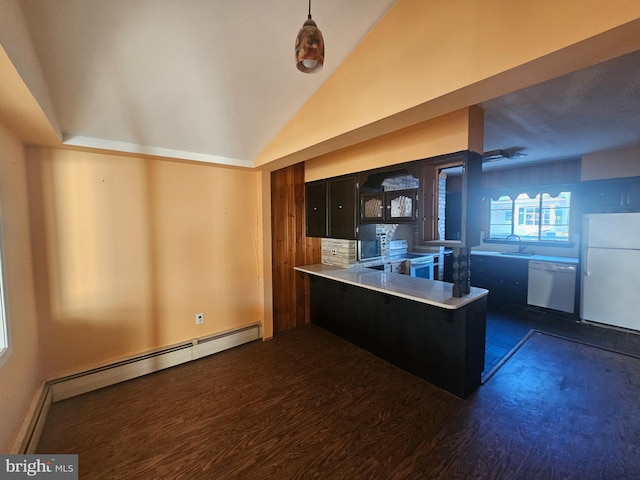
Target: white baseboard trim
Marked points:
119	372
209	345
104	376
69	386
29	434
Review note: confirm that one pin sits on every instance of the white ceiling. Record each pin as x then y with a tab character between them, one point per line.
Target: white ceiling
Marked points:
215	80
590	110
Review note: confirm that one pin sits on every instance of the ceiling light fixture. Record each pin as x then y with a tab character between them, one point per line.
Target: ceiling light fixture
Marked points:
309	47
506	154
494	155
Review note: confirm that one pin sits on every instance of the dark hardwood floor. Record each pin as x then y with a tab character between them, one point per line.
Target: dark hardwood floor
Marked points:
507	325
310	405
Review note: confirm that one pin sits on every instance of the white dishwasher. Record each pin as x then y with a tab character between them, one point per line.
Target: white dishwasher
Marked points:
552	285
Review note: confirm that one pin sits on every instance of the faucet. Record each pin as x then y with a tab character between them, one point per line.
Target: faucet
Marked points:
521	247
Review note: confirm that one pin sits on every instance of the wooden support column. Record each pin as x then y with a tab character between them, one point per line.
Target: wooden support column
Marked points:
461	275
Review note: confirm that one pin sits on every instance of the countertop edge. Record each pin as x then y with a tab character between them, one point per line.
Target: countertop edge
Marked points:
534	257
329	272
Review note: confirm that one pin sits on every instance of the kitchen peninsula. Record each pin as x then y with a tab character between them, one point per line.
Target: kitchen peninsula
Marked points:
413	323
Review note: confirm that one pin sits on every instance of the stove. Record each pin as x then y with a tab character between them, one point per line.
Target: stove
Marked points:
409	263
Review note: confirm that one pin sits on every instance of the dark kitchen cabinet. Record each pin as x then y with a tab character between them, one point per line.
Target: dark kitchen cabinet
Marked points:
505	278
601	195
372	208
396	206
611	195
331	208
401	205
443	346
316	202
342	208
631	195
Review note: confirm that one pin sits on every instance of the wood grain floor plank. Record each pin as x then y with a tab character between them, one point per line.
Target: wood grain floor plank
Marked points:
308	405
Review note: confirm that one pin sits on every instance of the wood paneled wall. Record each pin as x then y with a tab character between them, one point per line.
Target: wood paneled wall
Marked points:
566	171
291	248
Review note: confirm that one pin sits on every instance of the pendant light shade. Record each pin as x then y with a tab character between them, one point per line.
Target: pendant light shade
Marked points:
309	47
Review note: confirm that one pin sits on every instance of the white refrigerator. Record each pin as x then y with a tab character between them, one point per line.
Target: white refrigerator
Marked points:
610	291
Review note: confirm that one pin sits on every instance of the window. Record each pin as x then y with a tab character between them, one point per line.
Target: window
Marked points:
4	328
541	217
4	336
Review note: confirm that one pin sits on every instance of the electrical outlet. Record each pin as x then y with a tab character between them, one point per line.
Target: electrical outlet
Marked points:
199	318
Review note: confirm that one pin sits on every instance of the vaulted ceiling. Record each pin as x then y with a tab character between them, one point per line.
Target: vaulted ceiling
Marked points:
215	80
211	80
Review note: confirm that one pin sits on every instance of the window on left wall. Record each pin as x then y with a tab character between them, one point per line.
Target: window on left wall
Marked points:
4	329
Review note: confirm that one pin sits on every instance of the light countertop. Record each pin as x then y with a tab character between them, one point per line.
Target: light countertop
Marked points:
538	258
431	292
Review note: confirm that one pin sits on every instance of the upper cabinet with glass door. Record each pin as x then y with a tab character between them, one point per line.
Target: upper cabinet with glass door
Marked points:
372	207
401	205
389	197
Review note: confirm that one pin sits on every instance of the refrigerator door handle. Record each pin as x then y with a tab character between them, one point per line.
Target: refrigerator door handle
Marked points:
585	230
587	273
585	240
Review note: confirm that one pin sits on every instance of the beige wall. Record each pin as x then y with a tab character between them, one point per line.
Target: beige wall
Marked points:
20	373
454	132
19	110
264	212
128	250
622	162
426	59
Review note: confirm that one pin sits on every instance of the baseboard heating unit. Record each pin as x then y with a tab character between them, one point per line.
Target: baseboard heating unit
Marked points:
69	386
151	362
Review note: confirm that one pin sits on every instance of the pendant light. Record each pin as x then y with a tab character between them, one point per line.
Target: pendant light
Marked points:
309	47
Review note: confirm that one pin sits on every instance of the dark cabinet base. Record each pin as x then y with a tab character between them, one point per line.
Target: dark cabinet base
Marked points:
444	347
507	279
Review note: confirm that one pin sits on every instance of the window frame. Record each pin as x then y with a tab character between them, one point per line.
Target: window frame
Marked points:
5	338
532	192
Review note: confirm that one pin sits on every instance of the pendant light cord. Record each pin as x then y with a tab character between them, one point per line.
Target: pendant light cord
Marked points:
309	9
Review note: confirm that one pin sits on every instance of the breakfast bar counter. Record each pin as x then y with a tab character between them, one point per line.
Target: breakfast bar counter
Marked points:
432	292
413	323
